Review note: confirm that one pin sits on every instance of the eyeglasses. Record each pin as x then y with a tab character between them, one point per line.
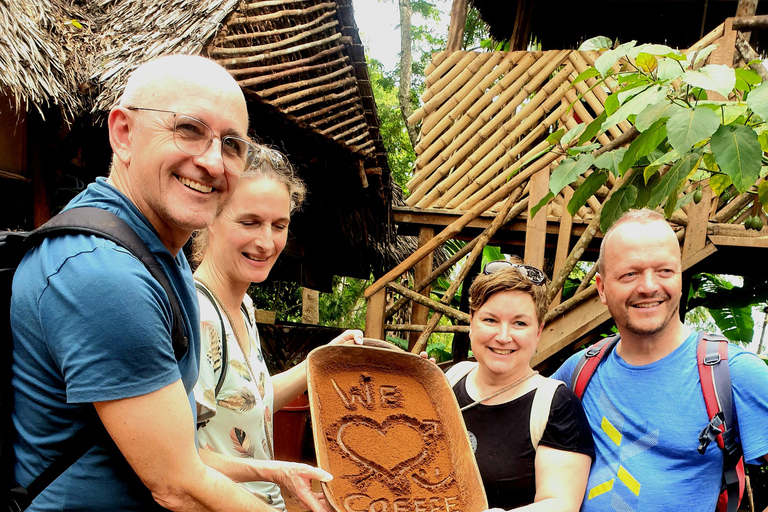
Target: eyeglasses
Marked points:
194	137
533	274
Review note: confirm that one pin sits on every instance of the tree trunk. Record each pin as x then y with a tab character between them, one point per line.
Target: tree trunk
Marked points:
458	23
406	61
746	8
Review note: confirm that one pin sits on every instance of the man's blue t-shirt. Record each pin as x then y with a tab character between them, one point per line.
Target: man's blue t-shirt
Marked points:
646	420
91	324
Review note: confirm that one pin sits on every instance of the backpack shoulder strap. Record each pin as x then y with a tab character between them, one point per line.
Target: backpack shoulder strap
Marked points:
222	338
589	362
459	370
105	224
542	403
715	377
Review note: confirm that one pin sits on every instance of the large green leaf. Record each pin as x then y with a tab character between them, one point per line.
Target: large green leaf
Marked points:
635	105
669	69
544	200
714	77
698	55
719	183
737	152
596	43
654	112
644	188
689	126
586	190
572	134
586	75
611	160
762	194
736	324
593	128
674	177
644	144
746	78
606	61
653	49
567	172
621	201
758	100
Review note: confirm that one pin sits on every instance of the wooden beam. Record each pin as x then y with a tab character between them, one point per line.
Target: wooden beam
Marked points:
456	28
422	269
696	230
739	241
563	241
419	328
374	315
536	229
429	303
747	23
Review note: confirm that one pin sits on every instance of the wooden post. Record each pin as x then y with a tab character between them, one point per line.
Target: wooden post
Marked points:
726	49
696	231
746	8
536	227
563	241
422	269
374	315
456	29
521	32
310	306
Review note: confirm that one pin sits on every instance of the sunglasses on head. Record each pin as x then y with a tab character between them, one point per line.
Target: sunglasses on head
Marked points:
532	274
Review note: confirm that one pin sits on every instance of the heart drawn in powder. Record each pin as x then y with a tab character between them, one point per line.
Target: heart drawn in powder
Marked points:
390	448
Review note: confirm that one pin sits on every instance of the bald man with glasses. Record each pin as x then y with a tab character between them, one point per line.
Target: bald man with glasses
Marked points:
92	328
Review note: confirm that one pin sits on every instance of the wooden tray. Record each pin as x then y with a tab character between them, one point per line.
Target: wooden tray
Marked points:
387	427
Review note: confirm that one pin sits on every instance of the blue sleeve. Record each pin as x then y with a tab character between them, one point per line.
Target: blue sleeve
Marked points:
106	323
749	378
566	369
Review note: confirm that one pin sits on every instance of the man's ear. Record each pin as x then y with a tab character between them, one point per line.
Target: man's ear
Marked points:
600	287
120	127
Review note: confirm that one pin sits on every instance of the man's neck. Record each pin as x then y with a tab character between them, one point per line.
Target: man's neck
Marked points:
640	349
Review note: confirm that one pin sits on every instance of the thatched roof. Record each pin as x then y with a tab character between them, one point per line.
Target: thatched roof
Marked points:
561	24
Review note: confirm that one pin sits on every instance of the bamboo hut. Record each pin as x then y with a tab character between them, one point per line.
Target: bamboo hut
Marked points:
301	66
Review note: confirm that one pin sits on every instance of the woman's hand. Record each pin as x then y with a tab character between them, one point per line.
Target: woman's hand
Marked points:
297	479
348	337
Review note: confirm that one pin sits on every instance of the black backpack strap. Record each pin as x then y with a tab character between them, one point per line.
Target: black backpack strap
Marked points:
104	224
224	361
589	362
715	377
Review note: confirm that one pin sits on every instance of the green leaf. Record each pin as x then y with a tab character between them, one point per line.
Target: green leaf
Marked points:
643	145
572	134
596	43
736	324
567	172
644	188
593	128
586	190
586	75
758	100
699	55
737	152
674	177
544	200
763	140
620	202
606	61
611	104
654	112
610	160
654	49
731	112
556	136
588	148
668	70
646	62
714	77
709	163
637	104
746	78
689	126
719	183
762	194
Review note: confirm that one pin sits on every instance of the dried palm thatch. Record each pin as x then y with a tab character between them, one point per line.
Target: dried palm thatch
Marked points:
38	66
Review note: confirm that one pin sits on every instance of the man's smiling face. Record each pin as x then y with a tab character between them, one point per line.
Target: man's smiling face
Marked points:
641	281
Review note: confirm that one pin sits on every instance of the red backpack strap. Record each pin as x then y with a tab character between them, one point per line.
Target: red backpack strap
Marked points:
715	376
588	363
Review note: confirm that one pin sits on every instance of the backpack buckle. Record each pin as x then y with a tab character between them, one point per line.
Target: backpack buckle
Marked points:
710	432
712	359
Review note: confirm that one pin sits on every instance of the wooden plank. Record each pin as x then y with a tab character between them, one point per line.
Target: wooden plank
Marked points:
374	315
696	230
726	48
698	256
536	230
563	241
568	328
737	241
422	269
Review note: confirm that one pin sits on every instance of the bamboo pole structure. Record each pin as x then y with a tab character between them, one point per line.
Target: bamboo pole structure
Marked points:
419	328
325	110
328	120
357	119
324	99
252	20
303	84
453	72
449	60
279	53
295	71
256	6
273	68
288	98
285	30
432	304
